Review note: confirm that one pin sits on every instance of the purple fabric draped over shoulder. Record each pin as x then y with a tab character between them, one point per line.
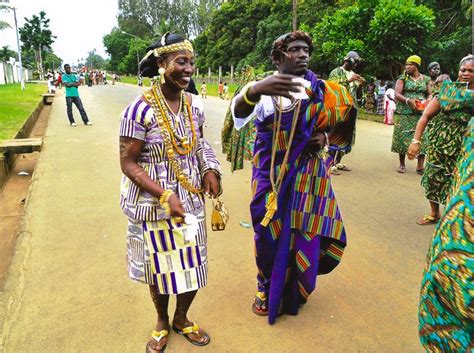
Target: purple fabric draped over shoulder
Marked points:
306	236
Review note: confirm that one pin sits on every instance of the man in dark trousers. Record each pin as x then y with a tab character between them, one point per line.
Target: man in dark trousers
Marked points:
71	82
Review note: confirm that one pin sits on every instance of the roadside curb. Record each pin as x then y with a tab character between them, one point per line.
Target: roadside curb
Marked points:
7	160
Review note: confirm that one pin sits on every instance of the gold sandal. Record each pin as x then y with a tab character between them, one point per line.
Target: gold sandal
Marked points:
157	336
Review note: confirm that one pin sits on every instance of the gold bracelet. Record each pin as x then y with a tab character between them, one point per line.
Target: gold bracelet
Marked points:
416	142
164	200
246	99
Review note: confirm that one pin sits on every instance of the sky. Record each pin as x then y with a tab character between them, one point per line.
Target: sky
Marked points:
78	25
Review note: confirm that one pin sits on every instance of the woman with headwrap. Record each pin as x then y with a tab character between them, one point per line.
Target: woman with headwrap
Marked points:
450	112
168	167
411	91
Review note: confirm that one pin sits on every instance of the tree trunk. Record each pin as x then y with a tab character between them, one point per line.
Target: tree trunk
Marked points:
41	64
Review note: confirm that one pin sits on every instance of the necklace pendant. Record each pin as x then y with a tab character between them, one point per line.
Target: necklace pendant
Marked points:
185	142
272	207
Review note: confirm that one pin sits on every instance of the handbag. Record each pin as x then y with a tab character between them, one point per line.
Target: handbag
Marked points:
220	216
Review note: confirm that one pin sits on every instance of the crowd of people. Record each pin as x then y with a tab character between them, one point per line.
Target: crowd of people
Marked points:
300	127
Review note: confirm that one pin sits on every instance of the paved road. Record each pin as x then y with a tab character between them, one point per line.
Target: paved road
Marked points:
68	290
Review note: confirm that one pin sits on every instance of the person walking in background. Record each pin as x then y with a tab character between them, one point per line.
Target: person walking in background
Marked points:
72	82
220	90
226	91
88	79
51	83
203	90
168	169
59	80
450	112
390	105
412	89
370	101
345	76
297	116
381	88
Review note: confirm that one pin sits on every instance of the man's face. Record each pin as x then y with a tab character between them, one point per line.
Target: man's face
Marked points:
352	64
67	68
295	59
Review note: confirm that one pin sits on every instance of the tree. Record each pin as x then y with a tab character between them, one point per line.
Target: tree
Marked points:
129	63
6	53
383	32
51	61
4	24
147	18
117	45
94	60
36	35
452	36
242	32
231	35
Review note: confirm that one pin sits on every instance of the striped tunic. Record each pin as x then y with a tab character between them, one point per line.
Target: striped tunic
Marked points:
138	122
159	252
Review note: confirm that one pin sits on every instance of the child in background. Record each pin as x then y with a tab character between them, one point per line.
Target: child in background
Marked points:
226	91
220	90
389	103
204	90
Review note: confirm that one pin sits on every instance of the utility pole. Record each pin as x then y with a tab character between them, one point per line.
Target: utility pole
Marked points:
295	26
22	81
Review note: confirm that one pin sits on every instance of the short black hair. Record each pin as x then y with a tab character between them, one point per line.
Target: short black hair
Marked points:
149	66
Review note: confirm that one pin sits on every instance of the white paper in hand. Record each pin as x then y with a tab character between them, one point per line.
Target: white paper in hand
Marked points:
190	231
302	93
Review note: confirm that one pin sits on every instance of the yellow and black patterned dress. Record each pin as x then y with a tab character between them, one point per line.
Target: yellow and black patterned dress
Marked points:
445	139
446	311
405	119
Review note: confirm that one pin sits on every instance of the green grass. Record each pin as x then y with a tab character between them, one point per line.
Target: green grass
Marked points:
363	115
211	87
131	79
16	106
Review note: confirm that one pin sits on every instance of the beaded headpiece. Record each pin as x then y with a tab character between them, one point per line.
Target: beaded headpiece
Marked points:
170	48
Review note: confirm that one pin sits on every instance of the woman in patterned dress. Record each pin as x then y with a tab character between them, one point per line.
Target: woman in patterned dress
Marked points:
370	101
445	314
168	168
410	89
450	110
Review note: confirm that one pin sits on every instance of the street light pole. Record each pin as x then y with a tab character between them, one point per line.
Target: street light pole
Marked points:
22	81
295	26
138	55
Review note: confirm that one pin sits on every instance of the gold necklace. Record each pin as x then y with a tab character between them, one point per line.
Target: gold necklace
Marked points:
272	201
184	140
160	114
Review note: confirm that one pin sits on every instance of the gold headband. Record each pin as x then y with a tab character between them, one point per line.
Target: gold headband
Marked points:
185	45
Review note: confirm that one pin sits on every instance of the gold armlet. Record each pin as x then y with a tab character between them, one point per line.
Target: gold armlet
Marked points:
164	200
246	99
